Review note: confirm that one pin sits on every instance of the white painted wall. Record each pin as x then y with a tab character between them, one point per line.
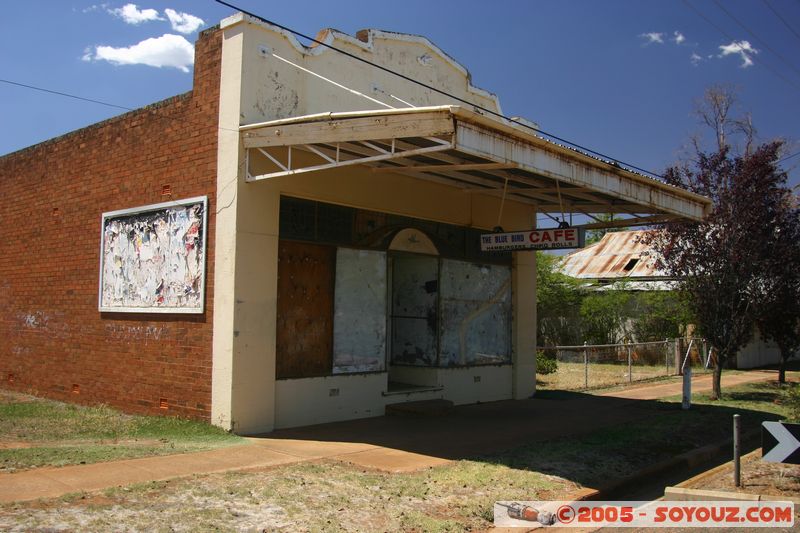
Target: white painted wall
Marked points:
256	87
307	401
302	402
758	353
476	384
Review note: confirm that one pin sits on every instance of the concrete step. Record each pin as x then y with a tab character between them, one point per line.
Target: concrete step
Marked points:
420	409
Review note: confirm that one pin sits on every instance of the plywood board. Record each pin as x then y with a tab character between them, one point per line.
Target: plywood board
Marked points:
305	310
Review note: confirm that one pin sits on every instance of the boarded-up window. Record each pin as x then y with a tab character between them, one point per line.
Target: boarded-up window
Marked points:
305	310
476	314
359	324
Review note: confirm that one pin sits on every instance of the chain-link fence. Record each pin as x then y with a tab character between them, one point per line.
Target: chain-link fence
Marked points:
596	366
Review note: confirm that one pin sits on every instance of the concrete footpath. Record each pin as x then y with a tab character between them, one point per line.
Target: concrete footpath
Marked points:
394	444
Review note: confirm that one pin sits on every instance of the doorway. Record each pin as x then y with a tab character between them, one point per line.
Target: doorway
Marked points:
413	317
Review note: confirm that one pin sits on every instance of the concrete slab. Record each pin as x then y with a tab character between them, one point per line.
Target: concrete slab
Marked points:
34	485
54	482
696	495
389	460
309	449
98	476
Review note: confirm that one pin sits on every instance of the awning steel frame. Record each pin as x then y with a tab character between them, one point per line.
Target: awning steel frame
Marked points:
463	149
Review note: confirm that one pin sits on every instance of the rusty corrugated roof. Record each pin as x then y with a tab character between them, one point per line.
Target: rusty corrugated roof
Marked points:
618	255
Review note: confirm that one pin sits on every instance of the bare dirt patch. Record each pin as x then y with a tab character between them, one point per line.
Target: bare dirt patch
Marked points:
7	396
315	496
758	477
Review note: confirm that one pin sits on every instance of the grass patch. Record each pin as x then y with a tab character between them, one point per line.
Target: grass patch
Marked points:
315	496
36	432
572	375
667	431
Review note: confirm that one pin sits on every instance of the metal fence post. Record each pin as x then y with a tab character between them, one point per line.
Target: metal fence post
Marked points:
737	468
666	355
687	388
630	371
585	365
705	354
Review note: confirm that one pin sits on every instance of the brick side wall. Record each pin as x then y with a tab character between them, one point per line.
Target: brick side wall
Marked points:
52	336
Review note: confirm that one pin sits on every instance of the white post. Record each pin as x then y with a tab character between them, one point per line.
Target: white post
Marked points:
666	355
585	365
630	371
737	450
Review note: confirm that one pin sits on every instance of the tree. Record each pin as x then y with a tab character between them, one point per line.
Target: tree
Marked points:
737	259
605	316
715	111
660	315
779	310
595	235
720	261
558	301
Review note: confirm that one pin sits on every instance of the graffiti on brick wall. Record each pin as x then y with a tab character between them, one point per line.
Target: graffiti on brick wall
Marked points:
153	258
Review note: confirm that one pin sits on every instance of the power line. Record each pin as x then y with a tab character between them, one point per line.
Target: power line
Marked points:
67	95
733	39
788	157
756	37
99	102
109	104
612	161
780	17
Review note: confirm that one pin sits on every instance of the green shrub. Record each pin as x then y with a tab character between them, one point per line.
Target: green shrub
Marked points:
545	364
791	398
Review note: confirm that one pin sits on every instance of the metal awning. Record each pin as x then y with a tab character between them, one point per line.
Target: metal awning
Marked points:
464	149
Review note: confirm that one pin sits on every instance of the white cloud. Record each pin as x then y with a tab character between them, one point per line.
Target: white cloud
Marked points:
695	58
678	37
741	48
95	7
169	50
183	22
653	37
131	14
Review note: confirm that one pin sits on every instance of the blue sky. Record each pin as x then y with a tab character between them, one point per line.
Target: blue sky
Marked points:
617	76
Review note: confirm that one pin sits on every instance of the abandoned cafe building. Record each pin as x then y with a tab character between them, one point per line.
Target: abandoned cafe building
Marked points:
296	240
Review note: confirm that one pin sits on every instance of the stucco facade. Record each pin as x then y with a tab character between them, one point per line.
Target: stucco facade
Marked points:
257	88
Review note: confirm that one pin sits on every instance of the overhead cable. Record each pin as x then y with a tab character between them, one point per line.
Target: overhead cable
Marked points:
608	159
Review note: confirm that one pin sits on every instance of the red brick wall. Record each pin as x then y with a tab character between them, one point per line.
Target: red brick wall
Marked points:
52	336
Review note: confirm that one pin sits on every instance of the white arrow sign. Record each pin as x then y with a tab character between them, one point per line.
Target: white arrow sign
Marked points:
781	439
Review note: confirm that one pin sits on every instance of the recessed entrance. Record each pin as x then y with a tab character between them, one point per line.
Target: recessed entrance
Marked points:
413	320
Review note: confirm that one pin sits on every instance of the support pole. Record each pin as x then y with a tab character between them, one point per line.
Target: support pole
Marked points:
630	372
737	467
585	365
687	388
666	355
705	353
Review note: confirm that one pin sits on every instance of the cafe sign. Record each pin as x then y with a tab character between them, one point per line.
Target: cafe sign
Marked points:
539	239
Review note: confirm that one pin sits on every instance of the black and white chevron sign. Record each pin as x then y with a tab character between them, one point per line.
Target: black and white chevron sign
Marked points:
780	443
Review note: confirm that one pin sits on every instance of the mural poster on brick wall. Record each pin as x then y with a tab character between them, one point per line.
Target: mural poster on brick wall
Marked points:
152	258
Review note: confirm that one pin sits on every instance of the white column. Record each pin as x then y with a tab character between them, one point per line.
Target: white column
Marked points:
245	263
523	335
